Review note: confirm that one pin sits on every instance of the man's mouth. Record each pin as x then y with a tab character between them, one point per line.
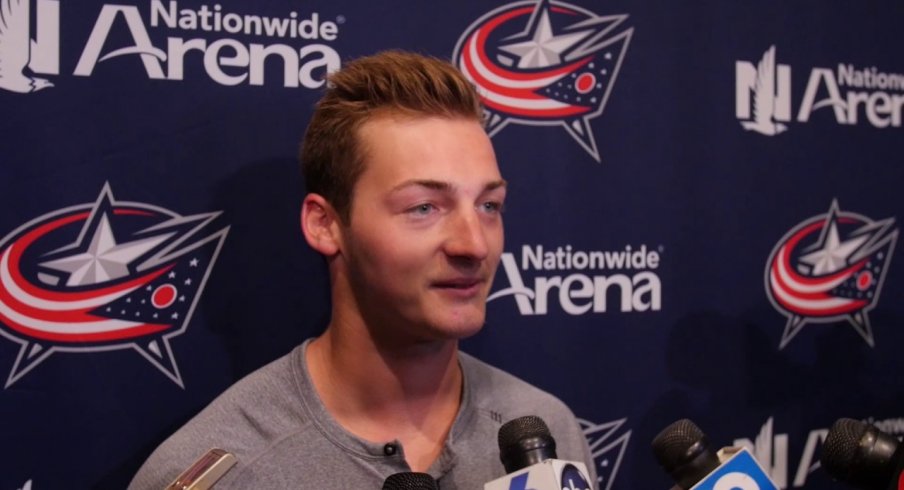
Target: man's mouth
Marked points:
460	285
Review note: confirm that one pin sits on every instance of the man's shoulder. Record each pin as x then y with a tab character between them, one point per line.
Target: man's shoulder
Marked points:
245	419
507	394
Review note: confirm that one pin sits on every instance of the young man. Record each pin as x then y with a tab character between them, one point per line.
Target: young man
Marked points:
404	202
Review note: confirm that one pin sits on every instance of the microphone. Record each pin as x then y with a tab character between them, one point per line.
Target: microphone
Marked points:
410	480
863	456
528	454
683	450
204	472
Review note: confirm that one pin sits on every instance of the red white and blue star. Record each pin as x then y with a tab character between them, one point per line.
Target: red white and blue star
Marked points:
830	268
544	63
103	276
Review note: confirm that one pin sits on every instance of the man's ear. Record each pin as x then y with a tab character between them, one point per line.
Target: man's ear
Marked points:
320	224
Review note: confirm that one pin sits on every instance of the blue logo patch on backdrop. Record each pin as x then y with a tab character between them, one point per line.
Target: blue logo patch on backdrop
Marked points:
104	276
830	268
544	63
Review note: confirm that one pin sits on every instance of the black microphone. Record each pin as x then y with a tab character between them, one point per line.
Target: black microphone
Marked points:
863	456
410	480
683	450
528	453
525	441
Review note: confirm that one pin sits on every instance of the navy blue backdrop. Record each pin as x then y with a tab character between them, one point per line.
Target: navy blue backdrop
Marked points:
702	219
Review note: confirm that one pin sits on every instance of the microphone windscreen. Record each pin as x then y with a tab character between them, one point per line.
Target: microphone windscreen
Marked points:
410	481
525	441
860	455
671	445
528	426
840	447
683	452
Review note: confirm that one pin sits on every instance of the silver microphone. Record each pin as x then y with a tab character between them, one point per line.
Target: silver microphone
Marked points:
204	472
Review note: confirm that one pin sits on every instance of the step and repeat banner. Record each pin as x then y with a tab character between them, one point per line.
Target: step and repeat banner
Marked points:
703	218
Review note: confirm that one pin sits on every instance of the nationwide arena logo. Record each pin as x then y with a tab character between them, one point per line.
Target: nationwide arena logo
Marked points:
544	63
594	278
104	276
830	268
608	443
206	38
853	93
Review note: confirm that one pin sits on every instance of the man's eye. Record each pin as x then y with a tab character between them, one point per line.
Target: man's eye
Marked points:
492	207
425	208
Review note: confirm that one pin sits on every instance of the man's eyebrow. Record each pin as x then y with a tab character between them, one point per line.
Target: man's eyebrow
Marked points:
439	185
429	184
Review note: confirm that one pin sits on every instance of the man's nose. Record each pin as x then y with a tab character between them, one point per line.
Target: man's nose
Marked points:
467	236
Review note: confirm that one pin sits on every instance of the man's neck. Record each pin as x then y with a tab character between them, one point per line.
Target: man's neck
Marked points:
381	391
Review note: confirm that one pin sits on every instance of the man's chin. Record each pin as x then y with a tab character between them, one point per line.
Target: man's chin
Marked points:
461	328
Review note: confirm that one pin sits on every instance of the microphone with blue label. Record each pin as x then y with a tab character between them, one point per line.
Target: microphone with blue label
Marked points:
528	453
684	452
410	480
862	456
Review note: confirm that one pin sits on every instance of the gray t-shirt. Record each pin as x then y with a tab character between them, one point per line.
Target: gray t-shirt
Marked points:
282	436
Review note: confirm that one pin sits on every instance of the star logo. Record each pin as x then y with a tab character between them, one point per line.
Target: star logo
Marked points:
104	260
102	276
543	49
544	63
608	443
831	254
830	268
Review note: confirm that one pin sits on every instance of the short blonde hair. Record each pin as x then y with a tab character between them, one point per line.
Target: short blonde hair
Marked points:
390	82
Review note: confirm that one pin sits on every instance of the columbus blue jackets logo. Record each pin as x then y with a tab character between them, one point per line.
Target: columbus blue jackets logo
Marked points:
830	268
608	443
104	276
544	63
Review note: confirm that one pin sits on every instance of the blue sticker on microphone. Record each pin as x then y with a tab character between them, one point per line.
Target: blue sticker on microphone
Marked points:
573	479
741	472
519	482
